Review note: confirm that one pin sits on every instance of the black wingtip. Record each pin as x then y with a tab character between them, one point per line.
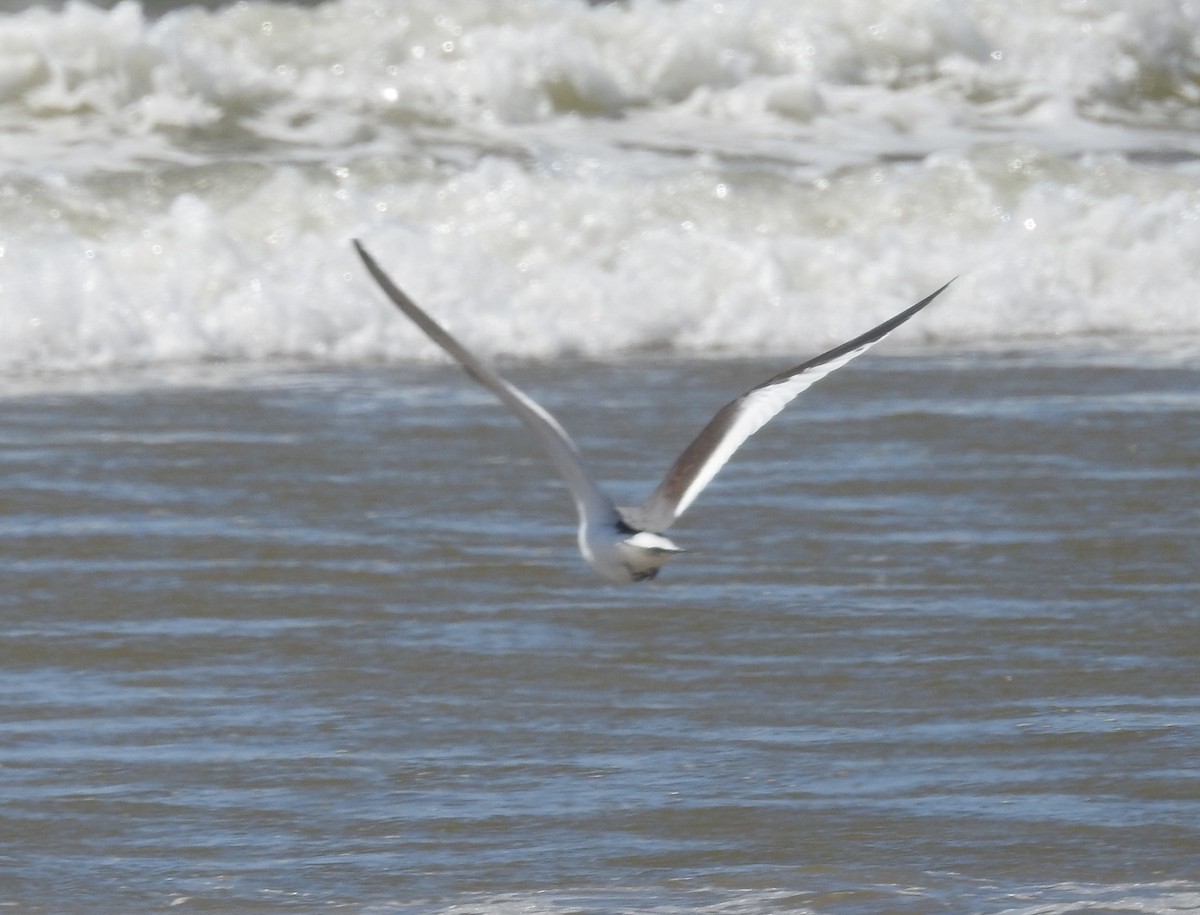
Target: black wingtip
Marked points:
390	289
882	330
912	310
871	336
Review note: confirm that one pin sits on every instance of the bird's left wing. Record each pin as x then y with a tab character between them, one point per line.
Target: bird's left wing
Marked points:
592	503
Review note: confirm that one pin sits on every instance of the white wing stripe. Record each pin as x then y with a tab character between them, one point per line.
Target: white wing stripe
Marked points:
737	421
758	408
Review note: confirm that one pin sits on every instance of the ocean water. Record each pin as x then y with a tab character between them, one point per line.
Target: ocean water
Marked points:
699	178
291	615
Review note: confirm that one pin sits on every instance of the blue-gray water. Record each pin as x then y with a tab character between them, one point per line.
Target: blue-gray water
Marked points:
306	629
319	639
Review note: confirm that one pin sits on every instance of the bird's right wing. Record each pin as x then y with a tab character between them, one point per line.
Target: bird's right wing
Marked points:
741	418
590	501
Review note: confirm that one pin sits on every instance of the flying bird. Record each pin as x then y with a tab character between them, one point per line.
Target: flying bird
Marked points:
627	544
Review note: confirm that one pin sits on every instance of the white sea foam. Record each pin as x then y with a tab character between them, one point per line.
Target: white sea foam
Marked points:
554	178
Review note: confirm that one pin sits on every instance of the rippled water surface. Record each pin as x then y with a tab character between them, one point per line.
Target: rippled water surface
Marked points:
305	628
298	639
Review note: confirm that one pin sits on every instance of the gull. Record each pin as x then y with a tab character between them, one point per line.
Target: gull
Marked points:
627	544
